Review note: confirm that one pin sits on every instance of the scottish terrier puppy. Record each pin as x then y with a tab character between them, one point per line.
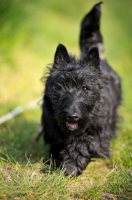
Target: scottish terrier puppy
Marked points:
80	101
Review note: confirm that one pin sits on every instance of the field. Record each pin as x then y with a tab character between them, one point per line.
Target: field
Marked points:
29	33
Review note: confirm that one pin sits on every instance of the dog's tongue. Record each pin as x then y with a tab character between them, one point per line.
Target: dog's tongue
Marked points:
71	125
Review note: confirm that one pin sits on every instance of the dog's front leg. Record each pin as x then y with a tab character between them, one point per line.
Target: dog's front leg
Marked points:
75	158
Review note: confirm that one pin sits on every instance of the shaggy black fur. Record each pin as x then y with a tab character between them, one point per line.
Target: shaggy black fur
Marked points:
80	101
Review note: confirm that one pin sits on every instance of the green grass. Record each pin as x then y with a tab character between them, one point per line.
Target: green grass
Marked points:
30	31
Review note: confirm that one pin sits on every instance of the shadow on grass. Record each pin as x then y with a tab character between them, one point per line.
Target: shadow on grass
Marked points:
18	141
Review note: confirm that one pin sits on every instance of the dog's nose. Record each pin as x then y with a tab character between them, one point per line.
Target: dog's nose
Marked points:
73	116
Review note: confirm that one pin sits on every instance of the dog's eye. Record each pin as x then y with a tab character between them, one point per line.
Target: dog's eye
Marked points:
54	97
56	87
85	88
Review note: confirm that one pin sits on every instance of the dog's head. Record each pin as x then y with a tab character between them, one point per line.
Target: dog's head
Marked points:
73	88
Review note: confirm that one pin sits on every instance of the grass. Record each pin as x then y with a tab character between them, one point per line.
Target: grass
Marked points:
29	34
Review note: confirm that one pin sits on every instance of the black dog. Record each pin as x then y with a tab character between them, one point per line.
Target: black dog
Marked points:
80	101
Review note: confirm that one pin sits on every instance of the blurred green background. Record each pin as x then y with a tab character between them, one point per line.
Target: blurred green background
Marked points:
29	34
30	31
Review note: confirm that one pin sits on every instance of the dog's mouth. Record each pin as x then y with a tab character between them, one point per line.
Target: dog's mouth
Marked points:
71	125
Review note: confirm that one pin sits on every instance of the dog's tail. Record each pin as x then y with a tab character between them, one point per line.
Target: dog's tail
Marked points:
90	35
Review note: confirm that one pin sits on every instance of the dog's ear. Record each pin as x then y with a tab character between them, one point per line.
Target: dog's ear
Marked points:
61	55
93	57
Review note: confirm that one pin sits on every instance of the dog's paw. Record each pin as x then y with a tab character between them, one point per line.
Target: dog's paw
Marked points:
71	169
